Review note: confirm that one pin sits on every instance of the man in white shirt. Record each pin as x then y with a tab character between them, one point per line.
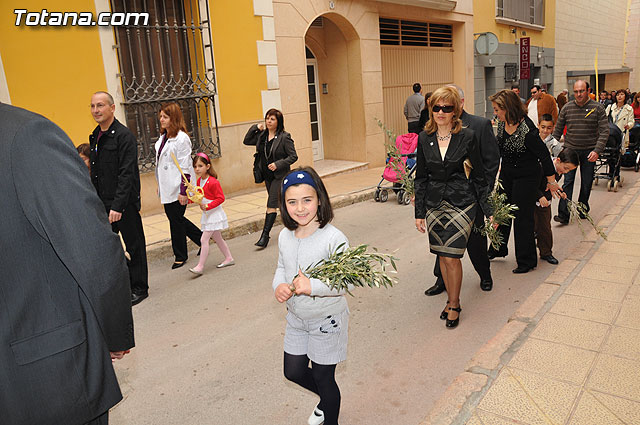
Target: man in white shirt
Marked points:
532	107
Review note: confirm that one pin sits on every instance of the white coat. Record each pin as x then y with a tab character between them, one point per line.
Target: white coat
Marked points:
622	117
167	174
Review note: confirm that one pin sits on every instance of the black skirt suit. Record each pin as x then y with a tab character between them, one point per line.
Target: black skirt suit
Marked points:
280	150
445	196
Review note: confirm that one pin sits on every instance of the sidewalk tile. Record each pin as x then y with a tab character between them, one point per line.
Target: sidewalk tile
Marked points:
486	418
627	228
623	342
607	273
244	207
618	236
162	227
156	237
591	411
153	219
620	248
530	398
599	289
626	410
580	250
571	331
628	219
624	261
586	308
616	376
629	316
555	361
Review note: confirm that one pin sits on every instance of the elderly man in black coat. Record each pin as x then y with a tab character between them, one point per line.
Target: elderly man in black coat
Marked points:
65	306
477	244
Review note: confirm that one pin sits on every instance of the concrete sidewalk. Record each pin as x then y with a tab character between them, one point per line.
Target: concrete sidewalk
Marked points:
571	353
246	212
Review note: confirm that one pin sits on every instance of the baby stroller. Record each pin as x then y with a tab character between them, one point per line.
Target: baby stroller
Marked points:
407	145
631	158
608	164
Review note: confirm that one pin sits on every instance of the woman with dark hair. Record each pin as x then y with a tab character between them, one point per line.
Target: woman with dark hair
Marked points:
171	189
621	115
275	152
522	153
635	105
450	186
424	114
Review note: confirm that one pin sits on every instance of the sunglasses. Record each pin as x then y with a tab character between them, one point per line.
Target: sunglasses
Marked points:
446	109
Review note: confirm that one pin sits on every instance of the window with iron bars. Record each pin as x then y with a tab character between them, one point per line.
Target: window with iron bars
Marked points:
527	11
168	60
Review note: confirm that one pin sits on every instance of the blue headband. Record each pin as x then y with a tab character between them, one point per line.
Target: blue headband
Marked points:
297	177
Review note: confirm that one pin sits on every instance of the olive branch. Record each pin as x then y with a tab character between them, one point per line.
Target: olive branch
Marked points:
577	210
502	213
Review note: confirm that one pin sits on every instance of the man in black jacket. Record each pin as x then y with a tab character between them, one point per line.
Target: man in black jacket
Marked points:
114	173
477	244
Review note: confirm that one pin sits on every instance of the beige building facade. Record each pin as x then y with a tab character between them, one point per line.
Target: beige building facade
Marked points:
611	27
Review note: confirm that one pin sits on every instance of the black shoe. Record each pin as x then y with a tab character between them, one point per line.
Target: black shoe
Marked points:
437	288
263	241
199	249
493	254
178	264
560	220
269	220
486	284
450	324
445	312
522	269
549	259
137	298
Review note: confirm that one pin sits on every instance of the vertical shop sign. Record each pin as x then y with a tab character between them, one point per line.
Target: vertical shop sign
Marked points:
525	51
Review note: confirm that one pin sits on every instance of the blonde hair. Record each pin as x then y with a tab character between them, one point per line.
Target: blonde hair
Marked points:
450	96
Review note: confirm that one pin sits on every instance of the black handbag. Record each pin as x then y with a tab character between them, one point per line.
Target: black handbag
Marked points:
257	171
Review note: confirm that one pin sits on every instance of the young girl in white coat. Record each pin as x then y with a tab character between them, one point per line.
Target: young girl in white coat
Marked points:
318	317
214	218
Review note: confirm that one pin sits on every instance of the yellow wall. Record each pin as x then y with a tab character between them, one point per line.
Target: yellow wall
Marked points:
240	79
53	70
484	20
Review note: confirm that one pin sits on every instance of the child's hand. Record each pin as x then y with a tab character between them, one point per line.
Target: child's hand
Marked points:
203	207
302	284
283	293
544	202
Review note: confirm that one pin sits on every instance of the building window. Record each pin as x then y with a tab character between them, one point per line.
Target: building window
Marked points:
524	11
511	72
168	60
395	32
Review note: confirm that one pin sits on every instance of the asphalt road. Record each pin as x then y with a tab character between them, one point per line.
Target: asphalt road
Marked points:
209	349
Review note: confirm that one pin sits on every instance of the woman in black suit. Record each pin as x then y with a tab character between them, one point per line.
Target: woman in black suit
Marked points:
450	186
275	152
522	151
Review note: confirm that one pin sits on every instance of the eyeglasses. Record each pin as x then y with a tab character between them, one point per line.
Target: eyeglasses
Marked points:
534	92
579	91
447	109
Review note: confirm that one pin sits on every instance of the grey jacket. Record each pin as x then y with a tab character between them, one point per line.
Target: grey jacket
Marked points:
413	106
64	293
295	254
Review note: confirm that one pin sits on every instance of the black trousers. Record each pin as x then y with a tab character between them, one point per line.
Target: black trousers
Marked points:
520	186
477	249
181	229
130	227
414	127
587	170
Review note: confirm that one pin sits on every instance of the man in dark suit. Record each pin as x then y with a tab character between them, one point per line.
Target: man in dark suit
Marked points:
64	290
477	244
114	173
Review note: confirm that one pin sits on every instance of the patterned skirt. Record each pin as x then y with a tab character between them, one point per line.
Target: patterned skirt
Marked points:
449	228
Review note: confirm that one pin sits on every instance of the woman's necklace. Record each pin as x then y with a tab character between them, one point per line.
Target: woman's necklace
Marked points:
443	138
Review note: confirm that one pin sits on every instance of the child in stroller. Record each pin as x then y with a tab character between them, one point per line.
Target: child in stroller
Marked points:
608	164
406	146
631	157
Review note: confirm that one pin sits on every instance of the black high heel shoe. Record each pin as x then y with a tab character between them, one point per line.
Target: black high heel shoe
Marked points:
445	312
450	324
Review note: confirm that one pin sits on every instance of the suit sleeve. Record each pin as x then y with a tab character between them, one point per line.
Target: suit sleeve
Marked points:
534	143
490	152
213	191
127	161
290	150
251	138
421	180
65	210
478	176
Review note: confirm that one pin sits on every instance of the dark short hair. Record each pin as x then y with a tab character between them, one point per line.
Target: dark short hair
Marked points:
84	149
546	117
536	86
325	212
279	117
417	87
626	95
570	156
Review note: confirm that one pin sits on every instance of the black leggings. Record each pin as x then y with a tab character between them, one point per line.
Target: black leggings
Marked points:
319	379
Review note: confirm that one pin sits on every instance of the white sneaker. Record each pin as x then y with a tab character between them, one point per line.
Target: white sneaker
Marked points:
317	417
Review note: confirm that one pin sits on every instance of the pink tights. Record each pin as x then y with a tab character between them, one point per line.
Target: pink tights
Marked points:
204	249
